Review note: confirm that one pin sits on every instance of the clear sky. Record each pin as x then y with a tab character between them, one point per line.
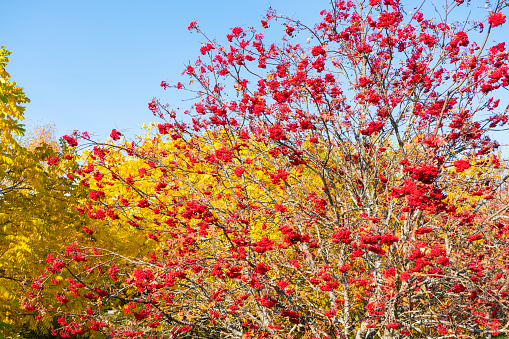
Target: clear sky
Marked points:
93	65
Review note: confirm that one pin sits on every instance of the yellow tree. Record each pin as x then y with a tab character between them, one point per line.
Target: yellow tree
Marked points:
37	202
38	208
40	135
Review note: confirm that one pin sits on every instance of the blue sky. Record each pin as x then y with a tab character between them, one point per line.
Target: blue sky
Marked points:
94	65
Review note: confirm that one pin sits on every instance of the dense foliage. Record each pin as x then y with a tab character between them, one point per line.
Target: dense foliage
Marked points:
343	189
37	209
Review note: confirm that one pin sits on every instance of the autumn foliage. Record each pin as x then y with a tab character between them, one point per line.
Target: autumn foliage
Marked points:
37	210
343	189
35	200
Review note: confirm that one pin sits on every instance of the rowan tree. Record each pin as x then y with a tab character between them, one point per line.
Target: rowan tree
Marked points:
343	189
